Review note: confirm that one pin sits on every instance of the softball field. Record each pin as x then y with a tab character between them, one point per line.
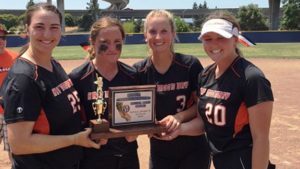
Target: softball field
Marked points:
285	127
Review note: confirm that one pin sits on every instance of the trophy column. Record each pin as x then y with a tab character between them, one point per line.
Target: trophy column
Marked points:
99	106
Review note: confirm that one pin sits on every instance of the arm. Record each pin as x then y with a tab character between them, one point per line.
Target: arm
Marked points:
189	113
260	120
23	141
195	127
172	122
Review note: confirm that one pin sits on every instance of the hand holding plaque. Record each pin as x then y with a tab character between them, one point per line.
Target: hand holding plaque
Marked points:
131	112
99	107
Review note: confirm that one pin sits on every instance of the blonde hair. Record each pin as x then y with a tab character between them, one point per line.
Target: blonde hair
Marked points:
102	23
161	13
220	14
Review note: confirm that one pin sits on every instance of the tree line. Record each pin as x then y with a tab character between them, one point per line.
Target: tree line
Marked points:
250	17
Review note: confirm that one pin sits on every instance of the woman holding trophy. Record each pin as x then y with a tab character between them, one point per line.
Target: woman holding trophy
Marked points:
175	76
41	106
92	80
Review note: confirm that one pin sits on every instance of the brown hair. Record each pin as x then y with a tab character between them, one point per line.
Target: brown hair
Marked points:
37	7
102	23
158	13
221	14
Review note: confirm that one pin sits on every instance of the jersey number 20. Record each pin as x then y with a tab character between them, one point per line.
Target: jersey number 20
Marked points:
216	114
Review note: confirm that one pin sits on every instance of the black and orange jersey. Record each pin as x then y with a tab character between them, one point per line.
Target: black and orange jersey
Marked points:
173	94
47	98
83	78
223	103
174	87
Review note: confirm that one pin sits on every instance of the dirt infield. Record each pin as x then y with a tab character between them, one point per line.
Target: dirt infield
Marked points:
285	128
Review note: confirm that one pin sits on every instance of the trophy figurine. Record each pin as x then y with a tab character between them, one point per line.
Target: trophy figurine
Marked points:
99	106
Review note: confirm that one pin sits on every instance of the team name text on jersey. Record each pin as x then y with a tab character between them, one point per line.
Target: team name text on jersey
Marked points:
172	86
214	93
62	87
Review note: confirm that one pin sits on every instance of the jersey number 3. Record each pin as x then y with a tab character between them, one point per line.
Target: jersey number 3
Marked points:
216	114
182	100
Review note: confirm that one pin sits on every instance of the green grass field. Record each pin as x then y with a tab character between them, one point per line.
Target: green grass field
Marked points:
261	50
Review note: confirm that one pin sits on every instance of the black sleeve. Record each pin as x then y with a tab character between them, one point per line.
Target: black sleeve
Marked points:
136	66
257	90
196	68
73	79
73	76
199	84
22	101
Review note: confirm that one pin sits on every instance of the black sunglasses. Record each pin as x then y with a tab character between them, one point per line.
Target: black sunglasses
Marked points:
3	37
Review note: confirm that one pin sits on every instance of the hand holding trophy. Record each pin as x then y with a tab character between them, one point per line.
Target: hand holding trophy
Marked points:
131	112
99	107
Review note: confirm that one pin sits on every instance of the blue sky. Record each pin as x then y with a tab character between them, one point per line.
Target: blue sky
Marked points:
143	4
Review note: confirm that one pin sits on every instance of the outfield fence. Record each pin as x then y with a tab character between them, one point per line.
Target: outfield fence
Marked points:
257	37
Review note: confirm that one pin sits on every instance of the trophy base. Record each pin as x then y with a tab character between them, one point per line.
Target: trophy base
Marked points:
99	127
129	131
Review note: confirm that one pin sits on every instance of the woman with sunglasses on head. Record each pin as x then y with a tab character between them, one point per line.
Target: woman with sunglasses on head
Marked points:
106	39
235	99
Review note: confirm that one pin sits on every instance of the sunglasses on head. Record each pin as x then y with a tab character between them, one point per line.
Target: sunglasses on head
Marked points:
3	37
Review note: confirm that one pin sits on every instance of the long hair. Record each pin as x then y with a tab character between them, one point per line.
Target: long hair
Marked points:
159	13
29	13
102	23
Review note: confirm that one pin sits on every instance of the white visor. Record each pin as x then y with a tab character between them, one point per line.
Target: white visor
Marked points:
221	27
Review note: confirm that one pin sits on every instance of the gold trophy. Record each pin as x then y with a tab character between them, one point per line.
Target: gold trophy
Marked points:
99	125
